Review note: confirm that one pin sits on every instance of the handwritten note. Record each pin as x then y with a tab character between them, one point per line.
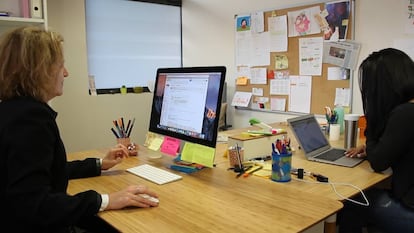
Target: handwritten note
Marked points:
155	144
170	146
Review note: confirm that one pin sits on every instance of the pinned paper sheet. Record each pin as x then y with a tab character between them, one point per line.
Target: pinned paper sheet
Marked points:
170	146
343	96
200	154
278	104
241	99
338	73
281	62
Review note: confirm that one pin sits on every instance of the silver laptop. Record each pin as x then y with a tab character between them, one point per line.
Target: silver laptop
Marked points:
314	143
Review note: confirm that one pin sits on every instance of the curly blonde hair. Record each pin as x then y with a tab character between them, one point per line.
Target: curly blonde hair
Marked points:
29	59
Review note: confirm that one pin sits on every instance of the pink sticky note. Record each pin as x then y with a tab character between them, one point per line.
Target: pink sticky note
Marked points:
170	146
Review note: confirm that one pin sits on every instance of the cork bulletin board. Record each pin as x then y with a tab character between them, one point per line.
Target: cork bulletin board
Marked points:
323	90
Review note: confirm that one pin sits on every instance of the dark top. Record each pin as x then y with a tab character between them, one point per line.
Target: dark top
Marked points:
34	171
395	149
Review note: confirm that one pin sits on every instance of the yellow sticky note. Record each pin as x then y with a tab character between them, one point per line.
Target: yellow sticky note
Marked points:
263	173
155	144
200	154
281	62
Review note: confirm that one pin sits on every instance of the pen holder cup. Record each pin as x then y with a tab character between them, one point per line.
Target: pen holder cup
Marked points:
132	147
281	166
235	156
334	132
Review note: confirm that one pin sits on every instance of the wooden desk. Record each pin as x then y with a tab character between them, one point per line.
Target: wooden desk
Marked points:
211	200
361	176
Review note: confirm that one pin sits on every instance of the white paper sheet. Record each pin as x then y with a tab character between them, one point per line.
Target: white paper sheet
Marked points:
277	27
310	56
279	87
300	93
241	99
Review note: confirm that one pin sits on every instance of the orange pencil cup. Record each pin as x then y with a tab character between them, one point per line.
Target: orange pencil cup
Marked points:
132	147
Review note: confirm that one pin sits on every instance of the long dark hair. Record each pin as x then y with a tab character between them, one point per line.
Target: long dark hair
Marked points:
386	79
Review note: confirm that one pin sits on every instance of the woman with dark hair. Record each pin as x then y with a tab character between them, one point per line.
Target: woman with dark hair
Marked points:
386	80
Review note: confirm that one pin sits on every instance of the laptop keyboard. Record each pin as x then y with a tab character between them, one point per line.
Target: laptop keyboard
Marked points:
331	155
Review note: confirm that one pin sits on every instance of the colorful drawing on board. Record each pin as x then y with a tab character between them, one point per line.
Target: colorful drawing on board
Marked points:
303	22
243	23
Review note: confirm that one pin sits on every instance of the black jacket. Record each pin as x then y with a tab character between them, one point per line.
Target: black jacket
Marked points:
395	149
35	173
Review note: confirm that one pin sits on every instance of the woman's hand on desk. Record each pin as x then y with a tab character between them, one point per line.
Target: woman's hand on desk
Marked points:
356	152
130	196
114	156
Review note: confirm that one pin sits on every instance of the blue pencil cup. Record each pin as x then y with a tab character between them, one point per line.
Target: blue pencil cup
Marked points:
281	166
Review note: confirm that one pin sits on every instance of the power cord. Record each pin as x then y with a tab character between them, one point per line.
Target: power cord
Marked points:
324	181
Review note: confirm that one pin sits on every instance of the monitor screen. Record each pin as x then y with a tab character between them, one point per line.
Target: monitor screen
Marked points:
186	103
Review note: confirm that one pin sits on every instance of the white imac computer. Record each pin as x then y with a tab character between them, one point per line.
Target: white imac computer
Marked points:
186	103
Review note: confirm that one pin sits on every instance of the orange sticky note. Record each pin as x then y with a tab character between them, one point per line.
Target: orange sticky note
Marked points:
241	81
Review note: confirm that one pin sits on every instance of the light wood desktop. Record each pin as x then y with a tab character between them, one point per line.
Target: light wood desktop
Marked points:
360	176
210	200
213	200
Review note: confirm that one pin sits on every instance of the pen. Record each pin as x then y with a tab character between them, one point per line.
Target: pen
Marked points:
264	158
113	131
246	174
130	129
127	128
243	171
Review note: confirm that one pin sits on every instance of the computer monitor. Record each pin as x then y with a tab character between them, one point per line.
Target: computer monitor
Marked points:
186	103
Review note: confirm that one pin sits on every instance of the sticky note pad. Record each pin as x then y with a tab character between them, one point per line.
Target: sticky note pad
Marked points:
200	154
170	146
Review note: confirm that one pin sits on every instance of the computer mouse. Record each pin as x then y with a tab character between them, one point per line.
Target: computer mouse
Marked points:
146	196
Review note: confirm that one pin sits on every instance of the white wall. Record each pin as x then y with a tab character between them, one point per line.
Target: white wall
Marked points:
85	120
208	39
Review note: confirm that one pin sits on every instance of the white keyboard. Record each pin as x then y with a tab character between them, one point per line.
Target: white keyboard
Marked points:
154	174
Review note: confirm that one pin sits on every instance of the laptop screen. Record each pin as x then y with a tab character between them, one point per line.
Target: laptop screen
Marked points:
308	133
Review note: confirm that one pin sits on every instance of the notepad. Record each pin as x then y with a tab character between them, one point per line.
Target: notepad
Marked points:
154	174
